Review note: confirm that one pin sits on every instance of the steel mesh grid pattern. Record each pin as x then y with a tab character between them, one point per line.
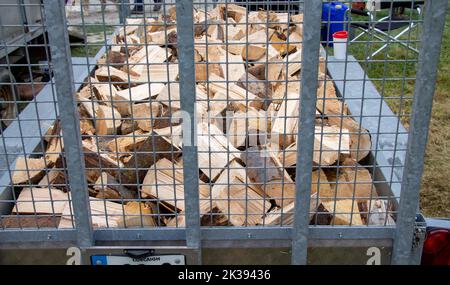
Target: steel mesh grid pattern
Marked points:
109	83
32	156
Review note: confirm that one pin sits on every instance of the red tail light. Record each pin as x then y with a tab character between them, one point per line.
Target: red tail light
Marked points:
436	248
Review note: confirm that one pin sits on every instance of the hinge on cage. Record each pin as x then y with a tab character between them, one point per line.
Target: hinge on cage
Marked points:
420	231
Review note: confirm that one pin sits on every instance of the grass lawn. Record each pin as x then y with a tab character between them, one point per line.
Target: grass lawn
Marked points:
387	76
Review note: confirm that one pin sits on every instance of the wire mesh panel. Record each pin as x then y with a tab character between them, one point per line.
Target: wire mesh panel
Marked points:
376	80
214	116
118	115
132	122
33	187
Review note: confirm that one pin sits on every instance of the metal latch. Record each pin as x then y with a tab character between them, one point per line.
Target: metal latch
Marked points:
420	231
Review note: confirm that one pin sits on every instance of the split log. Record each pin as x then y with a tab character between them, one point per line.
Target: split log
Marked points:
145	115
87	108
116	57
272	62
379	214
345	212
297	20
275	67
104	214
131	27
54	178
354	181
219	102
284	124
251	124
234	47
23	222
329	143
107	120
115	76
284	216
170	97
159	73
155	147
258	70
294	62
141	92
238	200
360	142
86	92
280	91
233	11
128	126
253	52
214	150
150	54
327	100
234	33
28	170
260	36
161	37
203	69
55	146
210	49
208	212
123	145
295	38
264	168
164	181
109	188
235	94
320	188
87	127
95	160
278	41
137	215
255	86
215	31
232	66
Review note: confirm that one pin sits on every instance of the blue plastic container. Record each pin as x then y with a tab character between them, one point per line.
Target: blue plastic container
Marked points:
333	12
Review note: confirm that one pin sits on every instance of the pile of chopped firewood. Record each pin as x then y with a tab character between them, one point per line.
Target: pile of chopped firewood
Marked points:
247	67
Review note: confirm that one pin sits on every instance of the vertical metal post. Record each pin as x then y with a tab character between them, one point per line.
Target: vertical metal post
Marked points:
70	124
185	42
310	66
433	27
124	10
